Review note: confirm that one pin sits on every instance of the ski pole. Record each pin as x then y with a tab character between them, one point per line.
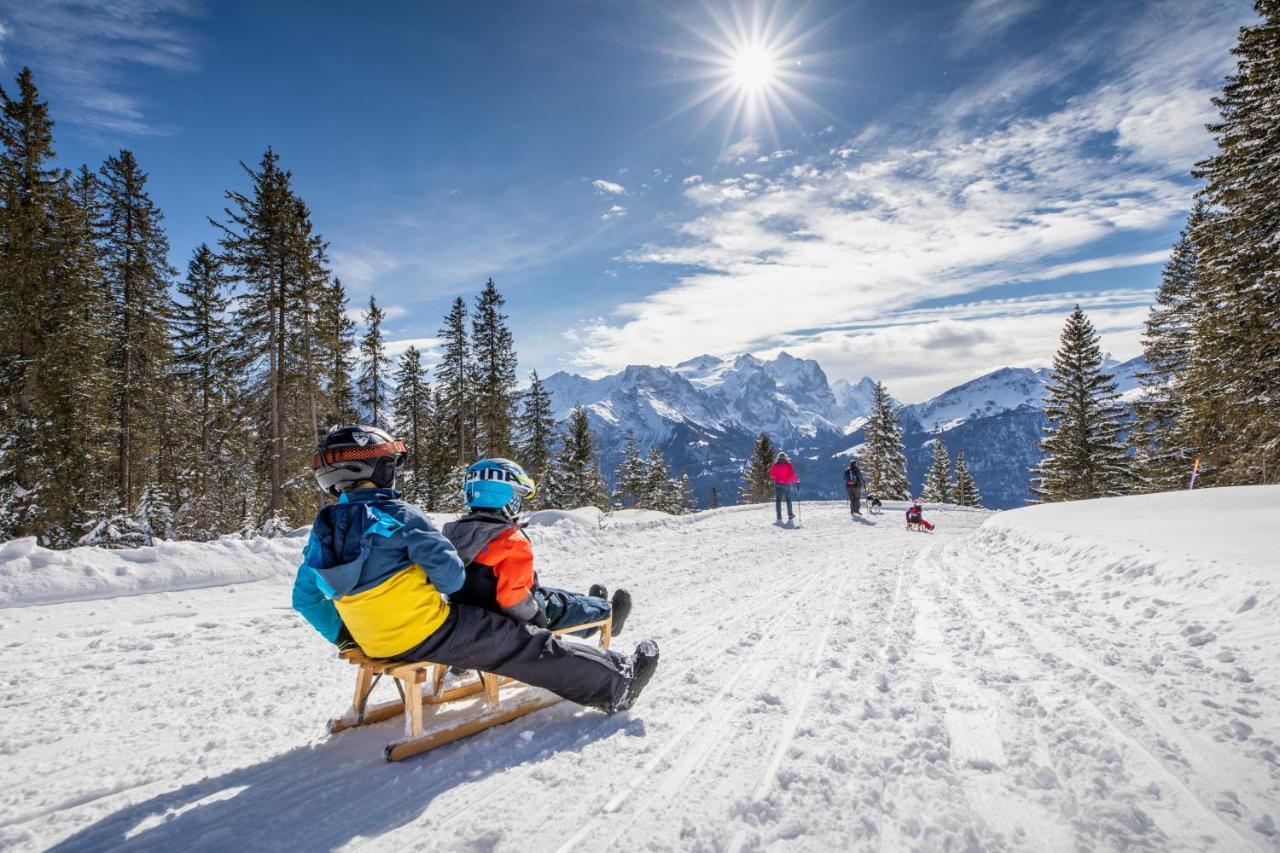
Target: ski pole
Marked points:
799	515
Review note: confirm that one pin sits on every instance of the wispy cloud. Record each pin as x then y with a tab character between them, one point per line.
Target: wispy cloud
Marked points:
984	20
864	232
614	212
608	187
84	53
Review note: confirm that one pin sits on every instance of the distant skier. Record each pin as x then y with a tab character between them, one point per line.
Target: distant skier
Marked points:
498	555
784	481
853	484
915	516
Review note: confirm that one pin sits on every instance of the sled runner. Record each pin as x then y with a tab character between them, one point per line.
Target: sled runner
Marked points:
435	715
919	525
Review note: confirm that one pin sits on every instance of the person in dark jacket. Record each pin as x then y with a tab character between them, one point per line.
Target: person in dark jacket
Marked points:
375	572
498	555
853	484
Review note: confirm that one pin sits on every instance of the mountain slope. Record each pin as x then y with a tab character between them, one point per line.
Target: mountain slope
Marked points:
706	412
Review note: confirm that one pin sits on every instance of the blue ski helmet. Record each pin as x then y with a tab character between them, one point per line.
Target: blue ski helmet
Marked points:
497	484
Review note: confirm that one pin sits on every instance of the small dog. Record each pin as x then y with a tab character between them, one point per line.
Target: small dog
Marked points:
874	504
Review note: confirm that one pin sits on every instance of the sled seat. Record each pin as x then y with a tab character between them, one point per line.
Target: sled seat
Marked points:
451	713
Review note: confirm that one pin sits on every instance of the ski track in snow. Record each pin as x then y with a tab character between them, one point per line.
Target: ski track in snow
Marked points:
836	686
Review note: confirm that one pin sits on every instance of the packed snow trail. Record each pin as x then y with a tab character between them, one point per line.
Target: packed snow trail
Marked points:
838	686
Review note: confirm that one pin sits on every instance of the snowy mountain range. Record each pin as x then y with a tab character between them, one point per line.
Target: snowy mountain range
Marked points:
706	412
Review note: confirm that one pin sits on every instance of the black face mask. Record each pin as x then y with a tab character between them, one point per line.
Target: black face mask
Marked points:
384	473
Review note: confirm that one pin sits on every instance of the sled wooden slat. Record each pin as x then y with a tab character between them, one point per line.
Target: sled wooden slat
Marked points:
424	743
420	693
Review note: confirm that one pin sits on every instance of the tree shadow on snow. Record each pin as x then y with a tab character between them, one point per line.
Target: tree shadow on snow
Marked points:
323	796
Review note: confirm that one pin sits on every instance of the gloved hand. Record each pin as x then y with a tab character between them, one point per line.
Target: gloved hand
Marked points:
530	610
345	640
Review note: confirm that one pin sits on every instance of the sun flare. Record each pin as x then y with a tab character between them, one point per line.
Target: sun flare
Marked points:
754	68
750	66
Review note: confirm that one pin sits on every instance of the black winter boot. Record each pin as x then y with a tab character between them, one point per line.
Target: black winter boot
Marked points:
643	664
621	605
598	590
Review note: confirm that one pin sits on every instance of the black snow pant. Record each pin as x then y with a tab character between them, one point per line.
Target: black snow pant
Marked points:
855	500
474	638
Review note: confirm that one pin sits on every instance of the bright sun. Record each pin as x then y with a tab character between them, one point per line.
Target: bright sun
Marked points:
750	65
754	68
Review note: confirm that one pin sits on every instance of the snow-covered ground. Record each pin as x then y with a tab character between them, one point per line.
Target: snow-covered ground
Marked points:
1083	676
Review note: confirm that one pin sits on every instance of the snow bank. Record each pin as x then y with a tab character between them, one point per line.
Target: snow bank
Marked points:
1203	564
30	574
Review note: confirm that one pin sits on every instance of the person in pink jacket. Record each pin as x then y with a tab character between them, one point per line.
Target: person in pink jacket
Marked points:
784	482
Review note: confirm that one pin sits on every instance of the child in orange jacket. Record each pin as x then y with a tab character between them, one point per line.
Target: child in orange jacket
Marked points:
498	556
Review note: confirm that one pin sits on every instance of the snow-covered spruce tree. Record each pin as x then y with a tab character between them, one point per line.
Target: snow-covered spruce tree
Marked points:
655	491
1234	388
632	476
884	460
937	485
964	491
454	383
535	429
494	356
411	420
578	471
1163	451
336	334
1082	456
757	485
134	258
205	363
374	368
688	500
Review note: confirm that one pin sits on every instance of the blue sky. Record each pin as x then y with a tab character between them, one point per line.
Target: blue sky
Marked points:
917	191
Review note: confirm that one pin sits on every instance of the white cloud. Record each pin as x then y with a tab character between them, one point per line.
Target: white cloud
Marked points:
983	20
608	187
742	150
83	52
428	347
692	179
844	239
360	269
614	212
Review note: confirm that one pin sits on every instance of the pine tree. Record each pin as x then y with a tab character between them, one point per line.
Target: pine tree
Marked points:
632	476
135	254
257	242
205	363
757	484
412	420
536	429
713	498
937	489
282	311
964	491
454	383
54	408
1235	373
655	490
884	460
1082	453
1162	440
373	369
336	333
577	468
688	501
494	357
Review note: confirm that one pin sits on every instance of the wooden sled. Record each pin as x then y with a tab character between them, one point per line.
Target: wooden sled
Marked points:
918	526
434	715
